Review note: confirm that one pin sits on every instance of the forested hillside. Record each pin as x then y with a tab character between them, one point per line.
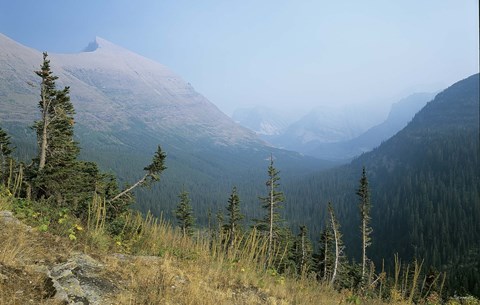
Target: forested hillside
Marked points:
125	106
425	191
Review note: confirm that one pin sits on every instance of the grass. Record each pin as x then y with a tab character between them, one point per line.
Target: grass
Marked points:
150	262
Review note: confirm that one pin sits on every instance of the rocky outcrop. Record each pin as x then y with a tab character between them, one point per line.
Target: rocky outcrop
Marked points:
80	281
72	278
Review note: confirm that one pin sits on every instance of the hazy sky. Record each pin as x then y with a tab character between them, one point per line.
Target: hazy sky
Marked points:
284	54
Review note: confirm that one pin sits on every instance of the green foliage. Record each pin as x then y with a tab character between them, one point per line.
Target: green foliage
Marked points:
324	258
363	194
56	173
302	253
5	155
157	166
271	223
184	214
232	227
426	192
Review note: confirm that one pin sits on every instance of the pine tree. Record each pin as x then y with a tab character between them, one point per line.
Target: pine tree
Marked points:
325	258
270	223
303	252
184	214
232	227
365	206
57	171
152	174
55	128
338	244
46	105
5	154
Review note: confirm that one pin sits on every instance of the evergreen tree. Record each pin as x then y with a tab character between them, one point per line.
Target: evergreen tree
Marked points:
271	222
303	252
152	174
232	227
47	108
184	214
55	128
56	173
365	206
325	258
5	154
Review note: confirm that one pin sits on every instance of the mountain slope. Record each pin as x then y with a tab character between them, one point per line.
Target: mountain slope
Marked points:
126	105
112	86
425	190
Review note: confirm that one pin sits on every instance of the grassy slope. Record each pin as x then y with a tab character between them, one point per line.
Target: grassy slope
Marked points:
165	269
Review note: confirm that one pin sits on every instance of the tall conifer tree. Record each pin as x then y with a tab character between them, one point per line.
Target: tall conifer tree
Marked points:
234	215
303	252
5	154
184	214
325	256
271	222
55	128
57	170
365	206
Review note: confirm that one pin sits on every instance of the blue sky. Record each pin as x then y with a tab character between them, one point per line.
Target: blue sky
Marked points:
290	55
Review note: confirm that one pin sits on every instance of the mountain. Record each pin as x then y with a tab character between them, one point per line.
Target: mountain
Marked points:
425	188
400	114
262	120
327	123
125	106
113	87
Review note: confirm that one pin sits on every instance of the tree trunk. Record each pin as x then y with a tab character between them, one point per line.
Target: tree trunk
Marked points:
129	189
364	248
337	249
270	235
304	254
43	145
325	259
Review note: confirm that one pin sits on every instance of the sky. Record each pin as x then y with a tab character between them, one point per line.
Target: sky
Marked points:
288	55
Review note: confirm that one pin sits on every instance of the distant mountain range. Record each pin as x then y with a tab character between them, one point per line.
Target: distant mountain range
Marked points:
263	121
400	114
332	132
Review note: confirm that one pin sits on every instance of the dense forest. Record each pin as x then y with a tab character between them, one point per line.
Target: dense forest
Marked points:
425	190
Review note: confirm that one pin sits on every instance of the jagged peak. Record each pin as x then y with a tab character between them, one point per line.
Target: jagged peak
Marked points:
100	43
92	46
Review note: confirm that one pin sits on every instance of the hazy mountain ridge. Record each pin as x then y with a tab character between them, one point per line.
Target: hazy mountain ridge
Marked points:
400	114
333	132
263	121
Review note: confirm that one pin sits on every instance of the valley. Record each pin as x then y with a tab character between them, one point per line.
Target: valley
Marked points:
422	161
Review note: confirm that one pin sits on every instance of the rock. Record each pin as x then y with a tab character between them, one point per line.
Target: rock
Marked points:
78	281
7	218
